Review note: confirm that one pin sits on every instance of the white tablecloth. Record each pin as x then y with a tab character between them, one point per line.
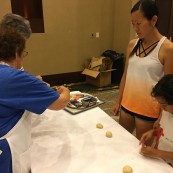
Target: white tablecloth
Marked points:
65	143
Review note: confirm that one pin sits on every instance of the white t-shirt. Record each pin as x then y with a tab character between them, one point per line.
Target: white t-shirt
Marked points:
166	141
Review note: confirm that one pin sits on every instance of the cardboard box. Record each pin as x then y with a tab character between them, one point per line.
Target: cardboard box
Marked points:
98	72
95	63
97	78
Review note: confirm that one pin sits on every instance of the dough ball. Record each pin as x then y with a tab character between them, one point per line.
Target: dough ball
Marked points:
109	134
99	125
127	169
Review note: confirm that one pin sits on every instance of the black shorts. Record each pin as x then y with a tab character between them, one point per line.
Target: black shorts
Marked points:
142	117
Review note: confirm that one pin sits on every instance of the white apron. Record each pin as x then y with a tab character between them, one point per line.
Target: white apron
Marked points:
19	139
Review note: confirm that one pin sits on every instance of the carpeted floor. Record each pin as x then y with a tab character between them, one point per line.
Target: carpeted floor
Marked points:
84	87
108	97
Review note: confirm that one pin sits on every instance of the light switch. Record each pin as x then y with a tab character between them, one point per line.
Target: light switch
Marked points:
97	34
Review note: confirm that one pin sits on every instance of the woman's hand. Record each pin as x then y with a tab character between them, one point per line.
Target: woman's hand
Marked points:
62	89
116	109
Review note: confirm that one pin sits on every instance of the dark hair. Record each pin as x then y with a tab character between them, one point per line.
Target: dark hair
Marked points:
149	9
11	42
164	88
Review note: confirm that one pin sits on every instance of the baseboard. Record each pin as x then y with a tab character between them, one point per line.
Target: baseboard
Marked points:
64	78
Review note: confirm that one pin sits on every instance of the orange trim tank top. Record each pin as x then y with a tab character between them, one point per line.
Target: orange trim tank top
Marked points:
142	74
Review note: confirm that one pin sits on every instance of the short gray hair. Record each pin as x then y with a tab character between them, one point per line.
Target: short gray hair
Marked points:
18	23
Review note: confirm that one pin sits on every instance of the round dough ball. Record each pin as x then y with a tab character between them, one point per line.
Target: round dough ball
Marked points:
127	169
99	125
109	134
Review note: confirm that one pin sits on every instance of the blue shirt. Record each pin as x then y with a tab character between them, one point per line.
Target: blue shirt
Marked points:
20	91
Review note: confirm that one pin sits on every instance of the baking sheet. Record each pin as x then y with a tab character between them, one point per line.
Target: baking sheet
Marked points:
73	110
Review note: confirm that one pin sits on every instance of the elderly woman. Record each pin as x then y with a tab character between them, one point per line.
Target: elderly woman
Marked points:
20	94
17	22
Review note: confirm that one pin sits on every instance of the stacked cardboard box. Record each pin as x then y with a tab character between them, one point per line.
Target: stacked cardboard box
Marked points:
98	73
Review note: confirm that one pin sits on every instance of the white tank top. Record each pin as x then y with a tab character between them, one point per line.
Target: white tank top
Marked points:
142	74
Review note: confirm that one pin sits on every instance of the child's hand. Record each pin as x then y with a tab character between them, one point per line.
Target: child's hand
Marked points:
149	151
146	137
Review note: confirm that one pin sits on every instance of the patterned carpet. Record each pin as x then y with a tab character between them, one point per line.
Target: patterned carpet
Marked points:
108	97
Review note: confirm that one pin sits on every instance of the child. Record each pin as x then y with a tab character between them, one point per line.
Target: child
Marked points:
163	148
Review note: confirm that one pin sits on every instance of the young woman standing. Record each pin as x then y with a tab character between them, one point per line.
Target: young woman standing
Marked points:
149	57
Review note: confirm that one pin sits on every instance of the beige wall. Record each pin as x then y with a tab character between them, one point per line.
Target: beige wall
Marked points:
67	43
123	31
122	25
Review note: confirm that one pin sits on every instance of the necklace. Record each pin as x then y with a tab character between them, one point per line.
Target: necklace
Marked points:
145	51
